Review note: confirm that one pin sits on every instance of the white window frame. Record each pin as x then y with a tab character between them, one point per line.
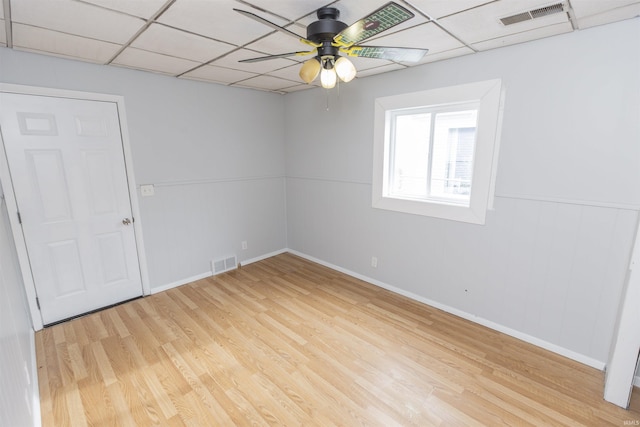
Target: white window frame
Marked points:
489	95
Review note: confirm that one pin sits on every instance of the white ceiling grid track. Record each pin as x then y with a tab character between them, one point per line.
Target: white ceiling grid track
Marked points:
204	39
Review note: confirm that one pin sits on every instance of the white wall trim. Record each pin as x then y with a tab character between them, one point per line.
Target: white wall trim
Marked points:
215	180
324	179
162	288
530	197
578	357
18	239
133	195
265	256
592	203
479	320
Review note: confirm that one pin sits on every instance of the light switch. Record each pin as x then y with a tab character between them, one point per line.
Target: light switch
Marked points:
147	190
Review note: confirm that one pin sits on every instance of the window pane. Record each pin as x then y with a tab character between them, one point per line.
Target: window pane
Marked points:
453	148
410	158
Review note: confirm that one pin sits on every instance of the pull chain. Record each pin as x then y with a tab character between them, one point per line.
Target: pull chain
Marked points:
327	98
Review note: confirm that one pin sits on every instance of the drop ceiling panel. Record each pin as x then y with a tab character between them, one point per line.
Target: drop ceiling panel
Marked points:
440	56
73	17
67	45
602	17
289	73
214	19
278	43
151	61
440	8
298	88
218	74
266	82
483	23
142	8
169	41
584	8
231	61
185	35
538	33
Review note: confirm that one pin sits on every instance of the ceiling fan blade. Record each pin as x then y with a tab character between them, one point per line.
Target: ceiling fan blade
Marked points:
398	54
271	24
382	19
281	55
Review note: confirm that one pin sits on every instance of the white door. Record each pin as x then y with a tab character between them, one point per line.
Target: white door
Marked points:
67	166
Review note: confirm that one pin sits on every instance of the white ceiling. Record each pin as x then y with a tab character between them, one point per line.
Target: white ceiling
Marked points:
204	39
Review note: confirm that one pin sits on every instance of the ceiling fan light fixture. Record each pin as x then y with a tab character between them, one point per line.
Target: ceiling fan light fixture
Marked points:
345	69
328	78
329	37
310	70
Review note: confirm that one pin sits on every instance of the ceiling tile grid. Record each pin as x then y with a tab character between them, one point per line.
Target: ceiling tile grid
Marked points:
45	41
222	75
204	40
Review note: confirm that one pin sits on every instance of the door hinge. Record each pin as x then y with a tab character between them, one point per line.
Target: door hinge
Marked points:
38	303
19	217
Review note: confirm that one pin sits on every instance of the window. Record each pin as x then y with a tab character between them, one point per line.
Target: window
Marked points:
434	151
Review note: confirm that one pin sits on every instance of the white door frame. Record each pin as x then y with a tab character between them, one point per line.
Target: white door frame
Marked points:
7	187
623	357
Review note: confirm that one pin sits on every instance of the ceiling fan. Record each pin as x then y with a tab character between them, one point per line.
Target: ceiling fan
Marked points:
330	38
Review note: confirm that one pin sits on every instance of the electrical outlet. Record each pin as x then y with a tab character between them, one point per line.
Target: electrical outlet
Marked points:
147	190
374	262
244	244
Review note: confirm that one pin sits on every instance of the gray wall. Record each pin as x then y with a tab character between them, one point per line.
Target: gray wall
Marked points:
18	388
551	261
214	153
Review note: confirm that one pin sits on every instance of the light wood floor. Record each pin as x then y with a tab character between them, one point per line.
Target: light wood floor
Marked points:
288	342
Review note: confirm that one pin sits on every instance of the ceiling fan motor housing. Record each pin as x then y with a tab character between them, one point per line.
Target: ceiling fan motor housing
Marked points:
324	30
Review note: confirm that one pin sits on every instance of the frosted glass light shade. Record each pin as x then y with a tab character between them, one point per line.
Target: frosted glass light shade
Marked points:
310	70
345	69
328	78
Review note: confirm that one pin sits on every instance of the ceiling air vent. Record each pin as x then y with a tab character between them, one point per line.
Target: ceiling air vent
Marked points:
514	19
547	10
532	14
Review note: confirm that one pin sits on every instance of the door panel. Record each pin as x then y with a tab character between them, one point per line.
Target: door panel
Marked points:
47	175
97	169
67	166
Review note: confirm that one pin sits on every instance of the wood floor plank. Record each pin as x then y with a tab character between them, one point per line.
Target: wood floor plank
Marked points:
285	341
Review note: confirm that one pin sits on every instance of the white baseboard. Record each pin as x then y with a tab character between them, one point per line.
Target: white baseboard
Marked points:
265	256
162	288
479	320
636	381
484	322
158	289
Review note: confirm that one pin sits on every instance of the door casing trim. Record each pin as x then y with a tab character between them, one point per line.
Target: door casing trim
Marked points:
12	206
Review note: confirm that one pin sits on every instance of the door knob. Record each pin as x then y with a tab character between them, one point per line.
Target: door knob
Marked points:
126	221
